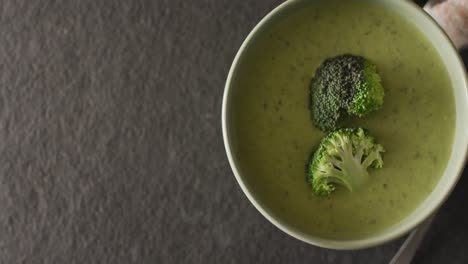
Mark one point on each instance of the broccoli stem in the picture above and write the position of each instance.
(343, 158)
(352, 169)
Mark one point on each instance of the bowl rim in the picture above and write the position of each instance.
(378, 238)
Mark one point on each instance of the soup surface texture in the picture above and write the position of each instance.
(273, 135)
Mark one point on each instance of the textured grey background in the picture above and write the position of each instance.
(111, 148)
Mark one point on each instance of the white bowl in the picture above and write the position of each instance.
(455, 165)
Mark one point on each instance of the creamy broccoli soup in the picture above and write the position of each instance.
(273, 134)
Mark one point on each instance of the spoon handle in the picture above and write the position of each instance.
(407, 251)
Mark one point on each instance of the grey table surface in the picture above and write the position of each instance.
(111, 148)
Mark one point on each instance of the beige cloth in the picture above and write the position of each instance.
(452, 15)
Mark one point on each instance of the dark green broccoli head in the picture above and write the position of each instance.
(345, 84)
(343, 158)
(368, 95)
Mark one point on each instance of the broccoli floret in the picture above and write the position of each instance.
(345, 84)
(342, 158)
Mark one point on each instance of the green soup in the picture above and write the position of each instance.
(273, 134)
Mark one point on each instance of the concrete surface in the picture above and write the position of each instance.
(111, 148)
